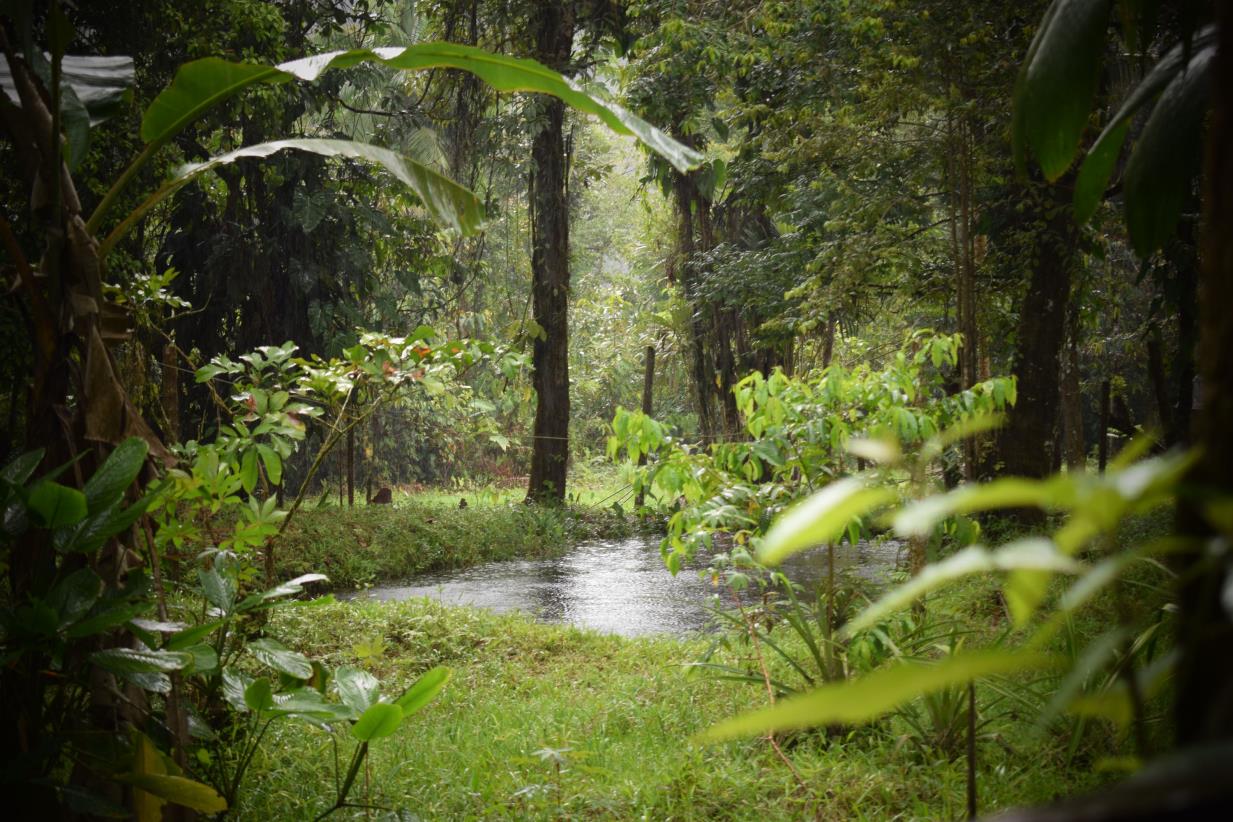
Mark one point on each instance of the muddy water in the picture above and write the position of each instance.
(617, 586)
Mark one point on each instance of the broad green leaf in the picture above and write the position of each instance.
(56, 505)
(1165, 158)
(106, 619)
(191, 636)
(75, 595)
(821, 518)
(357, 689)
(218, 589)
(108, 484)
(1096, 170)
(1102, 156)
(22, 467)
(919, 518)
(272, 462)
(201, 84)
(235, 685)
(101, 84)
(205, 658)
(281, 658)
(178, 790)
(864, 699)
(1057, 82)
(424, 690)
(1036, 554)
(447, 201)
(259, 695)
(284, 589)
(379, 720)
(248, 471)
(126, 660)
(310, 703)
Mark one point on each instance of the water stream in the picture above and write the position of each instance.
(616, 586)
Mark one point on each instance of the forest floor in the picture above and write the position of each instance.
(552, 722)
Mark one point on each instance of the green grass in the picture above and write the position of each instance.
(547, 722)
(428, 532)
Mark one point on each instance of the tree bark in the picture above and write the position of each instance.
(1204, 700)
(1026, 444)
(1072, 401)
(550, 266)
(648, 387)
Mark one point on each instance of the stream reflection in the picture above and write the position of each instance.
(617, 586)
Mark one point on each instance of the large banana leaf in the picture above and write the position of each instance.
(201, 84)
(447, 201)
(1056, 84)
(101, 84)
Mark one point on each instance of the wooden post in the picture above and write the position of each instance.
(648, 385)
(1104, 424)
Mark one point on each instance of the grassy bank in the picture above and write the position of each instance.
(369, 544)
(546, 722)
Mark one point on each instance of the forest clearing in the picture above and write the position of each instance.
(620, 409)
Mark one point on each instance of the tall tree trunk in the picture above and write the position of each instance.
(1026, 444)
(550, 265)
(700, 372)
(648, 388)
(1204, 701)
(1072, 400)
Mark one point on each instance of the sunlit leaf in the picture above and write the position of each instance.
(424, 690)
(1036, 554)
(379, 720)
(864, 699)
(821, 518)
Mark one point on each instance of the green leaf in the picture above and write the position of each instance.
(357, 689)
(75, 595)
(57, 506)
(191, 636)
(424, 690)
(205, 658)
(288, 588)
(259, 695)
(281, 658)
(379, 720)
(919, 518)
(1056, 83)
(178, 790)
(201, 84)
(108, 484)
(22, 467)
(1101, 158)
(821, 518)
(272, 462)
(131, 660)
(218, 589)
(1036, 554)
(235, 685)
(1165, 159)
(106, 619)
(248, 470)
(864, 699)
(103, 85)
(447, 201)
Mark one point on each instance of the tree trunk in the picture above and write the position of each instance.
(648, 387)
(350, 458)
(1026, 443)
(550, 266)
(1204, 700)
(1106, 402)
(1072, 401)
(700, 372)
